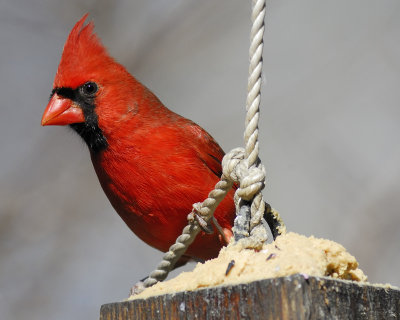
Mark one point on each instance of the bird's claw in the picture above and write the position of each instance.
(204, 225)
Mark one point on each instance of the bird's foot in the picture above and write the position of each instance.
(196, 216)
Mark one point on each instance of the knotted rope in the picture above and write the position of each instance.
(241, 166)
(252, 172)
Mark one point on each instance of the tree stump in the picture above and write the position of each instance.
(292, 297)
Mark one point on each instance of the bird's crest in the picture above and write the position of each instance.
(84, 56)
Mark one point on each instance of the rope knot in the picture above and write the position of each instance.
(233, 164)
(236, 168)
(251, 179)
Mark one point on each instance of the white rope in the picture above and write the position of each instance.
(254, 82)
(247, 227)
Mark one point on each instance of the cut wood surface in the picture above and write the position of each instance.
(292, 297)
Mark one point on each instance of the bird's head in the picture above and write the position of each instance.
(91, 91)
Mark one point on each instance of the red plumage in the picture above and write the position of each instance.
(151, 163)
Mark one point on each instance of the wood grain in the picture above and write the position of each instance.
(293, 297)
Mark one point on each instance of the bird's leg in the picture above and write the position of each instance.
(206, 226)
(220, 230)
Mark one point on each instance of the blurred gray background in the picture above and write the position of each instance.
(330, 128)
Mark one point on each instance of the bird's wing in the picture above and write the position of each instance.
(207, 149)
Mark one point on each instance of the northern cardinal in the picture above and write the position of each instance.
(151, 163)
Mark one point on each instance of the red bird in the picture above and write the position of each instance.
(151, 163)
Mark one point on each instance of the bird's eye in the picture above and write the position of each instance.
(89, 89)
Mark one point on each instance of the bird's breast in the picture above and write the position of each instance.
(153, 181)
(152, 195)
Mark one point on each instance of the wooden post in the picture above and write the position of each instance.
(293, 297)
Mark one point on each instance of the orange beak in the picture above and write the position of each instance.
(62, 111)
